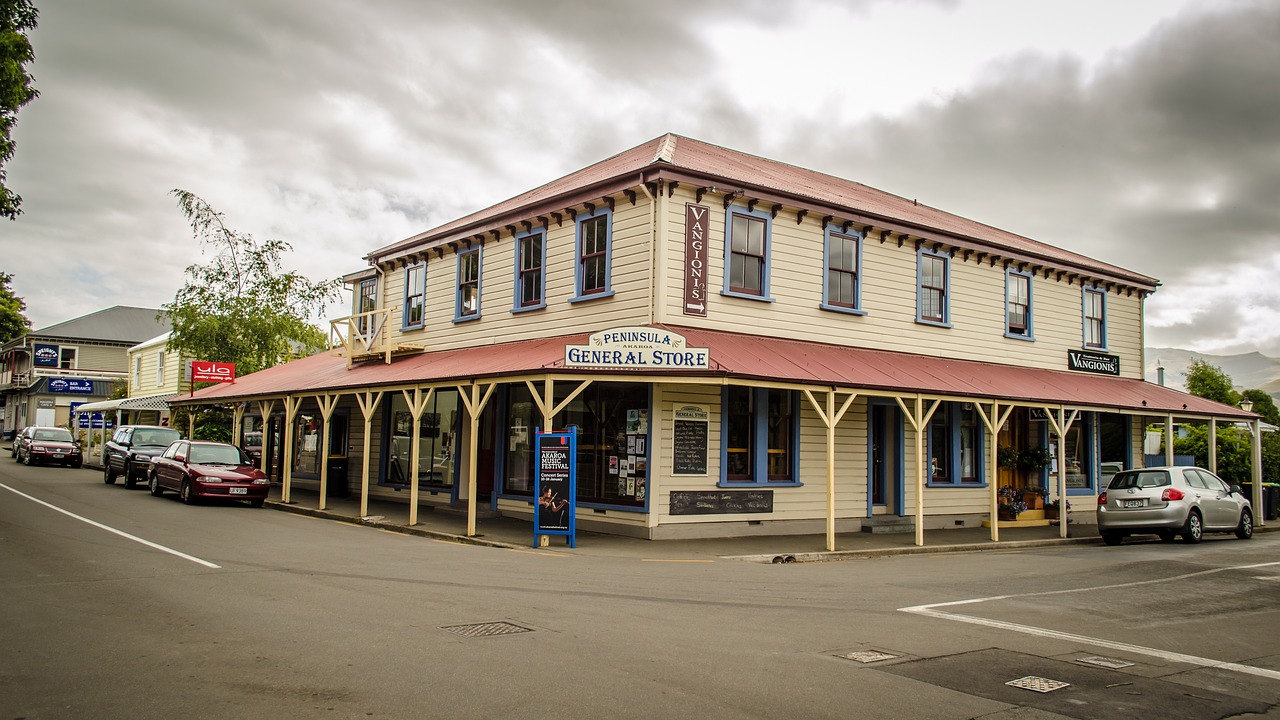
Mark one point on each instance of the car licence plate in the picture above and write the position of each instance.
(1132, 503)
(57, 455)
(239, 491)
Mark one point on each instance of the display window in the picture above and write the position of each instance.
(437, 431)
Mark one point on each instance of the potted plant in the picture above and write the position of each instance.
(1033, 497)
(1052, 508)
(1034, 460)
(1007, 456)
(1011, 504)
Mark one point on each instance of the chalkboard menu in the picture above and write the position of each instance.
(690, 455)
(721, 502)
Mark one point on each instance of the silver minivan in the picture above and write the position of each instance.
(1172, 501)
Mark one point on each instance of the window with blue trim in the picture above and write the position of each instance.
(415, 288)
(467, 302)
(955, 446)
(759, 436)
(932, 296)
(842, 286)
(531, 277)
(593, 254)
(1095, 318)
(1017, 302)
(746, 257)
(1079, 453)
(366, 302)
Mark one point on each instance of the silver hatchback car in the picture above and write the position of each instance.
(1172, 501)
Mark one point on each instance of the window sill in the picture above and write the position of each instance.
(757, 485)
(1094, 348)
(410, 328)
(528, 308)
(1015, 336)
(466, 319)
(592, 296)
(842, 309)
(933, 323)
(745, 296)
(970, 486)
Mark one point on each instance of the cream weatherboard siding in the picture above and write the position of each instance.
(174, 372)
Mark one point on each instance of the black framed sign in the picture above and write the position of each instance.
(555, 485)
(1093, 362)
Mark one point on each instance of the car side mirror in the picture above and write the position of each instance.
(1237, 490)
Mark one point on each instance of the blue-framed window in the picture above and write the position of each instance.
(1081, 470)
(1018, 318)
(1094, 310)
(366, 301)
(467, 300)
(531, 270)
(956, 441)
(748, 235)
(933, 293)
(415, 289)
(842, 283)
(760, 436)
(593, 256)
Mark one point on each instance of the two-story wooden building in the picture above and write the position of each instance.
(744, 346)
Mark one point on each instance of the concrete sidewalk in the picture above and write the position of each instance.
(517, 534)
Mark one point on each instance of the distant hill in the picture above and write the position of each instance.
(1250, 370)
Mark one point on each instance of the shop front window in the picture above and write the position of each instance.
(437, 440)
(955, 445)
(1113, 446)
(306, 444)
(1079, 451)
(523, 417)
(759, 435)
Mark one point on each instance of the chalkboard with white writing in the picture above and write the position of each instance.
(690, 455)
(721, 502)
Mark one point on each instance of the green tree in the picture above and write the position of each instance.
(13, 318)
(1234, 450)
(241, 307)
(1209, 381)
(16, 17)
(1264, 405)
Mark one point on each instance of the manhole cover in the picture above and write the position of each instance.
(867, 656)
(1037, 684)
(1105, 662)
(488, 629)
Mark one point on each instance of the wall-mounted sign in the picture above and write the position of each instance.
(202, 371)
(45, 355)
(637, 348)
(71, 385)
(45, 404)
(689, 453)
(1093, 362)
(721, 502)
(696, 226)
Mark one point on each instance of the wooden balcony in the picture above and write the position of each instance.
(365, 336)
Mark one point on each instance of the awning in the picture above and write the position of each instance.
(150, 402)
(741, 357)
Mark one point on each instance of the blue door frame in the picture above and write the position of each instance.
(894, 428)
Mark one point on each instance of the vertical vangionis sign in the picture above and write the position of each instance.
(555, 485)
(696, 227)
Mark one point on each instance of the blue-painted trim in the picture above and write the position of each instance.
(516, 307)
(953, 410)
(760, 441)
(404, 304)
(764, 295)
(858, 237)
(1031, 305)
(1087, 431)
(1084, 317)
(946, 290)
(608, 255)
(458, 317)
(895, 421)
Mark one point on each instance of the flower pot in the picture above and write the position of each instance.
(1051, 513)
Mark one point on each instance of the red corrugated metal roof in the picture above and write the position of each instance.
(741, 356)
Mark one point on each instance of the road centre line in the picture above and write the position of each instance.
(110, 529)
(929, 611)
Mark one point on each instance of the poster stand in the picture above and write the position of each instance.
(555, 485)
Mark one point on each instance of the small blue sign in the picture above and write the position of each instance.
(555, 485)
(45, 355)
(71, 385)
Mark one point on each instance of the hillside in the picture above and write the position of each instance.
(1249, 370)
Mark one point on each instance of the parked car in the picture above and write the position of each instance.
(253, 446)
(39, 445)
(130, 449)
(197, 469)
(1172, 501)
(17, 438)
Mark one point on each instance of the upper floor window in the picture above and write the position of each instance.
(468, 298)
(67, 358)
(842, 286)
(746, 271)
(366, 302)
(1017, 301)
(531, 277)
(159, 368)
(415, 287)
(955, 446)
(1095, 318)
(760, 436)
(932, 299)
(137, 371)
(594, 250)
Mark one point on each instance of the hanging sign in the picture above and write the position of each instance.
(696, 220)
(202, 371)
(555, 485)
(1093, 362)
(45, 355)
(71, 385)
(637, 348)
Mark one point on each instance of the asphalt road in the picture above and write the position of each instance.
(265, 614)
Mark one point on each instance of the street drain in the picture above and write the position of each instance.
(488, 629)
(1037, 684)
(1105, 662)
(868, 656)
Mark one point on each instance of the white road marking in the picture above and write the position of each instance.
(110, 529)
(929, 611)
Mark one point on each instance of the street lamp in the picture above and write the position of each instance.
(1246, 405)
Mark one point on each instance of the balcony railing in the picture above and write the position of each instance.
(366, 335)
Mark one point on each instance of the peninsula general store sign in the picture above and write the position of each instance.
(637, 348)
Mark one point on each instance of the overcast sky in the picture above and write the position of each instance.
(1143, 133)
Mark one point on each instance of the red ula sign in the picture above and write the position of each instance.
(202, 371)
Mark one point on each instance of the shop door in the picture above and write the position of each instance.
(273, 446)
(884, 489)
(338, 471)
(485, 461)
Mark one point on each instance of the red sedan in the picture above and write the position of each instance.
(197, 469)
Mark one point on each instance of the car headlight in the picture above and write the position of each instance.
(142, 458)
(260, 481)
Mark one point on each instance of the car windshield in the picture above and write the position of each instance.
(1141, 479)
(154, 437)
(215, 455)
(53, 435)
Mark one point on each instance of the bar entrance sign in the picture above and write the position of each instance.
(556, 485)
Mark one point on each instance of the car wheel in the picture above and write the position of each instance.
(186, 493)
(154, 486)
(129, 479)
(1167, 535)
(108, 475)
(258, 502)
(1193, 530)
(1244, 530)
(28, 460)
(1112, 538)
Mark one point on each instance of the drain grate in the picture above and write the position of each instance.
(1037, 684)
(1105, 662)
(488, 629)
(868, 656)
